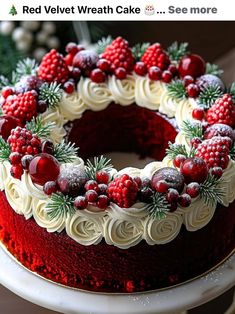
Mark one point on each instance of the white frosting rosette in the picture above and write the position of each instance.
(96, 96)
(4, 174)
(181, 139)
(228, 183)
(184, 110)
(164, 230)
(131, 171)
(123, 91)
(35, 191)
(72, 106)
(151, 168)
(18, 197)
(85, 227)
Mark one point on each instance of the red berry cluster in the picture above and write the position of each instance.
(156, 56)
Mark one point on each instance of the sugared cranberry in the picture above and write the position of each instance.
(71, 48)
(217, 172)
(41, 106)
(91, 196)
(195, 142)
(15, 158)
(69, 59)
(154, 73)
(193, 189)
(91, 185)
(192, 90)
(103, 65)
(171, 176)
(86, 61)
(44, 168)
(7, 123)
(98, 76)
(26, 160)
(102, 201)
(102, 188)
(80, 202)
(50, 187)
(102, 176)
(47, 147)
(138, 181)
(161, 186)
(198, 114)
(187, 80)
(209, 80)
(69, 87)
(16, 171)
(173, 207)
(166, 76)
(173, 69)
(146, 182)
(120, 73)
(184, 200)
(140, 68)
(219, 129)
(178, 160)
(7, 91)
(145, 194)
(194, 169)
(75, 73)
(172, 196)
(192, 65)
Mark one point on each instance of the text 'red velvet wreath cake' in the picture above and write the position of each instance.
(79, 221)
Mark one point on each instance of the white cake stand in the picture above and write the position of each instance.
(64, 300)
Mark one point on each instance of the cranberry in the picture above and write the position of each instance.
(75, 73)
(26, 160)
(184, 200)
(102, 176)
(192, 65)
(50, 187)
(172, 196)
(146, 182)
(91, 185)
(198, 114)
(102, 188)
(69, 87)
(43, 168)
(7, 123)
(120, 73)
(219, 129)
(195, 142)
(80, 202)
(193, 189)
(69, 59)
(207, 80)
(15, 158)
(188, 79)
(173, 207)
(192, 90)
(166, 76)
(7, 91)
(16, 171)
(154, 73)
(85, 60)
(194, 169)
(91, 196)
(98, 76)
(71, 180)
(47, 147)
(103, 65)
(178, 160)
(217, 172)
(71, 48)
(161, 186)
(173, 69)
(171, 176)
(145, 194)
(102, 201)
(41, 106)
(138, 181)
(140, 68)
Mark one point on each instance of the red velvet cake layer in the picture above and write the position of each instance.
(107, 268)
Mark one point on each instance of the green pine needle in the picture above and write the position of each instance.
(36, 126)
(158, 207)
(177, 90)
(213, 69)
(231, 90)
(26, 66)
(208, 96)
(4, 150)
(3, 82)
(65, 152)
(176, 51)
(179, 149)
(210, 191)
(139, 49)
(60, 206)
(99, 163)
(102, 44)
(15, 77)
(51, 94)
(192, 129)
(232, 152)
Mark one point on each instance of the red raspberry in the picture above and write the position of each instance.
(53, 68)
(223, 111)
(215, 151)
(21, 106)
(16, 171)
(24, 142)
(123, 191)
(156, 56)
(119, 54)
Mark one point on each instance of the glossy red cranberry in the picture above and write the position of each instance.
(41, 106)
(102, 202)
(193, 189)
(140, 68)
(195, 142)
(72, 48)
(80, 202)
(145, 194)
(173, 207)
(103, 65)
(26, 160)
(192, 65)
(7, 123)
(138, 181)
(47, 147)
(172, 196)
(217, 172)
(173, 69)
(91, 196)
(102, 188)
(184, 200)
(98, 76)
(167, 76)
(69, 59)
(16, 171)
(69, 87)
(102, 176)
(15, 158)
(7, 91)
(120, 73)
(154, 73)
(50, 187)
(194, 169)
(178, 160)
(187, 80)
(192, 90)
(161, 186)
(91, 185)
(44, 168)
(198, 114)
(75, 73)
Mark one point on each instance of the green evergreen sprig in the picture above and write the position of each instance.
(213, 69)
(192, 129)
(177, 50)
(231, 90)
(212, 191)
(102, 44)
(51, 94)
(208, 96)
(4, 150)
(65, 152)
(139, 49)
(232, 152)
(174, 150)
(158, 207)
(26, 66)
(177, 90)
(99, 163)
(3, 82)
(60, 206)
(36, 126)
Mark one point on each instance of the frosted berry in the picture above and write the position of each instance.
(187, 80)
(194, 169)
(219, 129)
(198, 114)
(172, 196)
(155, 55)
(50, 187)
(98, 76)
(21, 106)
(103, 65)
(47, 147)
(71, 180)
(7, 123)
(120, 73)
(195, 142)
(44, 168)
(138, 181)
(41, 106)
(73, 48)
(86, 61)
(173, 207)
(192, 65)
(53, 68)
(15, 158)
(193, 189)
(140, 68)
(16, 171)
(146, 182)
(167, 76)
(173, 69)
(102, 176)
(178, 160)
(28, 83)
(184, 200)
(173, 178)
(7, 91)
(91, 185)
(102, 201)
(223, 111)
(91, 196)
(75, 73)
(192, 90)
(26, 160)
(123, 191)
(69, 87)
(80, 202)
(207, 80)
(217, 172)
(102, 188)
(145, 194)
(154, 73)
(161, 186)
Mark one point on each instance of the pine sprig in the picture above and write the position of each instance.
(232, 152)
(3, 82)
(4, 150)
(139, 49)
(51, 94)
(99, 163)
(36, 126)
(208, 96)
(231, 90)
(65, 152)
(179, 149)
(213, 69)
(26, 66)
(60, 206)
(158, 207)
(177, 50)
(192, 129)
(211, 190)
(177, 90)
(102, 44)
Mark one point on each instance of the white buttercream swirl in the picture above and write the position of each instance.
(123, 91)
(184, 110)
(4, 174)
(72, 106)
(228, 183)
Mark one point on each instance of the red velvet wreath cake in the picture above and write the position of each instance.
(68, 215)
